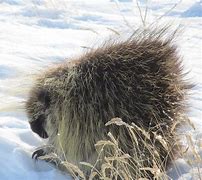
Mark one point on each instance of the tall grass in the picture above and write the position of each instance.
(144, 161)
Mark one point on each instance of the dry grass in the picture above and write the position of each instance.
(196, 160)
(122, 166)
(113, 163)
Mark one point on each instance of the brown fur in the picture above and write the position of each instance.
(139, 80)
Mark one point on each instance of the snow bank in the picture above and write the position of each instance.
(194, 11)
(17, 142)
(12, 2)
(37, 33)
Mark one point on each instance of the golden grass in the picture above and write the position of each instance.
(113, 163)
(195, 161)
(117, 165)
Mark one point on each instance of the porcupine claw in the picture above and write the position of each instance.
(36, 154)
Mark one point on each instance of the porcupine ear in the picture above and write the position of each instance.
(44, 97)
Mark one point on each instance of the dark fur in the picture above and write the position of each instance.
(139, 80)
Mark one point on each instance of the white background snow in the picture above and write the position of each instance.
(37, 33)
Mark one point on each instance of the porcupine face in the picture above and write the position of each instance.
(36, 107)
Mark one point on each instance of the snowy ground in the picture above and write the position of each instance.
(37, 33)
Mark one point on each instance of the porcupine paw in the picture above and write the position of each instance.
(38, 153)
(41, 152)
(46, 153)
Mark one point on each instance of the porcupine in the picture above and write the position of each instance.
(139, 80)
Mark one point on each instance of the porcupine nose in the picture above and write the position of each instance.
(37, 127)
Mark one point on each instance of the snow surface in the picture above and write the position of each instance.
(37, 33)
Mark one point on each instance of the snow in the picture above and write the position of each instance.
(194, 11)
(38, 33)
